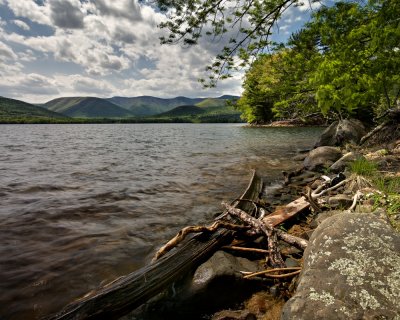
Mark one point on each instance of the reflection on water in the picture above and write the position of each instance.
(84, 204)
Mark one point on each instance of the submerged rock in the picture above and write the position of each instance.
(351, 271)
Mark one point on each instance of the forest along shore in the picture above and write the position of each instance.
(334, 252)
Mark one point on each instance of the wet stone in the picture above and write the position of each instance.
(351, 271)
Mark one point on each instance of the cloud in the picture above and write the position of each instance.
(27, 85)
(66, 14)
(88, 86)
(309, 6)
(128, 9)
(21, 24)
(114, 42)
(31, 10)
(6, 53)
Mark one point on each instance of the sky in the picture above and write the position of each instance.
(104, 48)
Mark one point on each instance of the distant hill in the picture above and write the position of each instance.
(87, 107)
(182, 111)
(214, 102)
(16, 109)
(148, 105)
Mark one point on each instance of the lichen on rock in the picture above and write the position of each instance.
(351, 271)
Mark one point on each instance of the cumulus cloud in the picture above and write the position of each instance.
(128, 9)
(25, 85)
(6, 53)
(114, 42)
(309, 6)
(23, 25)
(31, 10)
(66, 14)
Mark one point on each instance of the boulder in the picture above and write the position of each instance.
(221, 264)
(344, 162)
(351, 271)
(342, 132)
(321, 157)
(340, 200)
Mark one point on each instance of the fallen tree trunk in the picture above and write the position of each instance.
(129, 292)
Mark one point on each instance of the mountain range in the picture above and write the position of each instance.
(142, 107)
(121, 107)
(16, 109)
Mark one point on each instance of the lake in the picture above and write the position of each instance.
(84, 204)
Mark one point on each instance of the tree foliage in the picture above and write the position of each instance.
(345, 61)
(243, 25)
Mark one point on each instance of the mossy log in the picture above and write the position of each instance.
(129, 292)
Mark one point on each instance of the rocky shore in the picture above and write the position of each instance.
(351, 266)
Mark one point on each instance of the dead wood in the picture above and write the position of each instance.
(286, 212)
(244, 249)
(132, 290)
(374, 131)
(265, 272)
(311, 201)
(291, 239)
(268, 230)
(181, 235)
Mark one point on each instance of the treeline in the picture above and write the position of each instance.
(207, 118)
(344, 62)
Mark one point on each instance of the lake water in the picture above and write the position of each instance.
(81, 205)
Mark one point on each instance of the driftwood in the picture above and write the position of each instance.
(274, 254)
(245, 249)
(181, 235)
(284, 213)
(129, 292)
(266, 272)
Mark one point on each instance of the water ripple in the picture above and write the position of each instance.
(82, 205)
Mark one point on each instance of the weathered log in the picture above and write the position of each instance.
(129, 292)
(181, 235)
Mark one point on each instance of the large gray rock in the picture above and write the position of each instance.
(351, 271)
(321, 157)
(341, 132)
(221, 264)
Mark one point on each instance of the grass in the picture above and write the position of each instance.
(389, 187)
(364, 167)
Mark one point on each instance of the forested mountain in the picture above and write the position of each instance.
(87, 107)
(148, 105)
(16, 109)
(182, 111)
(145, 109)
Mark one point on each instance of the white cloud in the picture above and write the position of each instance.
(115, 42)
(309, 6)
(67, 14)
(128, 9)
(6, 53)
(21, 24)
(27, 85)
(31, 10)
